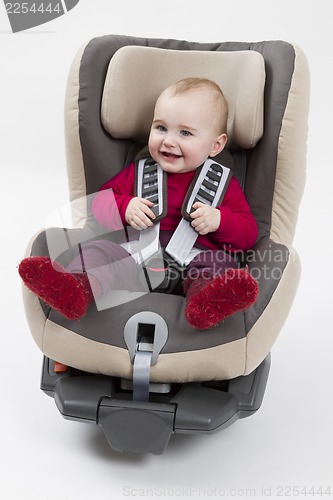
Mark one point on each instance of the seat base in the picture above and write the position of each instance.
(146, 426)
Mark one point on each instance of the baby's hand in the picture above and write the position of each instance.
(138, 213)
(206, 219)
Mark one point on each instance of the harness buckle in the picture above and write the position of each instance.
(162, 274)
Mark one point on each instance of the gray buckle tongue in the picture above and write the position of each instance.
(182, 242)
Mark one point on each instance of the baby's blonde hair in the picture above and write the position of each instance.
(192, 84)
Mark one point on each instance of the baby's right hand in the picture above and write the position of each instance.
(138, 213)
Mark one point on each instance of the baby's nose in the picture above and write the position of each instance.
(169, 140)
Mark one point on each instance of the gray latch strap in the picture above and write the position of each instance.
(141, 375)
(145, 334)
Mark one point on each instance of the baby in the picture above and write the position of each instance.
(189, 126)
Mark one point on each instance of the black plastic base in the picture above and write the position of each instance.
(147, 426)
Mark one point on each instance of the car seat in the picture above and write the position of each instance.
(137, 369)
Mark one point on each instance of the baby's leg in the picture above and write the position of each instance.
(69, 294)
(109, 263)
(99, 266)
(215, 289)
(211, 301)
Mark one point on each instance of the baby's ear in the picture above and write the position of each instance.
(218, 145)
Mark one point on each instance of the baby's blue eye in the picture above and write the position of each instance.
(161, 128)
(186, 133)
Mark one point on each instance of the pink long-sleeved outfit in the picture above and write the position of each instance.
(237, 230)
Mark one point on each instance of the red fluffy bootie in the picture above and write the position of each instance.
(70, 294)
(211, 300)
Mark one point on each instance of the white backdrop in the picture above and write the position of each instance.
(285, 449)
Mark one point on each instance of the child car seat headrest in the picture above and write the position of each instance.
(137, 75)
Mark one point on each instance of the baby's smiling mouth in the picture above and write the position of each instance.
(170, 155)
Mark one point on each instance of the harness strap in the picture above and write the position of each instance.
(151, 184)
(208, 186)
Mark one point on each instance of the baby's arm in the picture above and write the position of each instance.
(206, 219)
(138, 213)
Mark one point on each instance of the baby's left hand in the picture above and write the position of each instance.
(206, 219)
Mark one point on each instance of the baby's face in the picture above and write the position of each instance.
(184, 131)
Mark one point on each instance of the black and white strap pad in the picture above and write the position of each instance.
(208, 186)
(151, 184)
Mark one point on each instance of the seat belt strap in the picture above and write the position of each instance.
(151, 184)
(208, 186)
